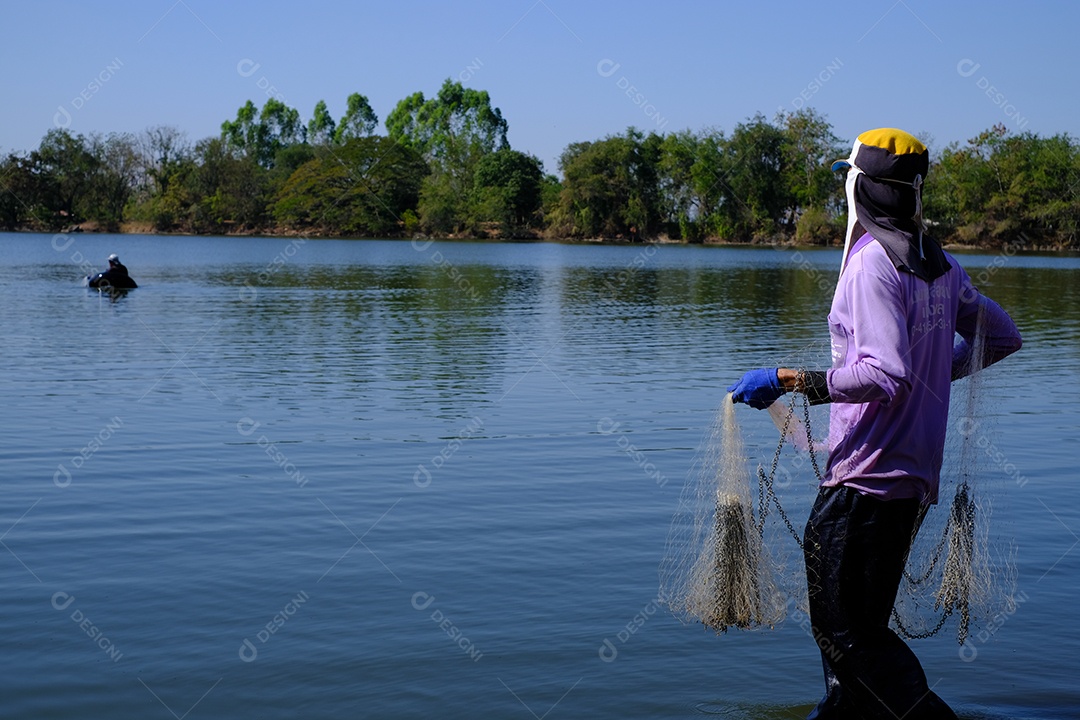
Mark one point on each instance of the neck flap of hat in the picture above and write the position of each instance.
(884, 193)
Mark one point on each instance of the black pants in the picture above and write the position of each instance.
(856, 547)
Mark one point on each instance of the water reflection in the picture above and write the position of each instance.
(417, 328)
(113, 294)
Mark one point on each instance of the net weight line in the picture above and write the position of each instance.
(957, 535)
(766, 483)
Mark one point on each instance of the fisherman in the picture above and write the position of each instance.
(898, 305)
(116, 277)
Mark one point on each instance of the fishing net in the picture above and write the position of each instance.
(718, 571)
(961, 565)
(729, 559)
(734, 555)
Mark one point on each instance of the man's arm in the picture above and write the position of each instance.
(981, 321)
(880, 371)
(877, 362)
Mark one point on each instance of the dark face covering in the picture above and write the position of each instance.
(887, 210)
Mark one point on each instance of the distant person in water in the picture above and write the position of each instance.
(115, 277)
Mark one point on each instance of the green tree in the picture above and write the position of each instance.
(959, 187)
(1039, 201)
(453, 131)
(282, 128)
(611, 188)
(507, 190)
(175, 207)
(363, 188)
(550, 191)
(287, 161)
(1002, 188)
(359, 120)
(321, 128)
(262, 134)
(245, 132)
(64, 169)
(17, 191)
(117, 171)
(755, 171)
(810, 148)
(226, 190)
(691, 182)
(165, 160)
(678, 153)
(162, 149)
(455, 122)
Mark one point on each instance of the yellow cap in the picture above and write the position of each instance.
(894, 141)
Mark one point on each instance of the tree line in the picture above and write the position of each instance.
(444, 167)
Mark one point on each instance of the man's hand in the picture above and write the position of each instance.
(758, 388)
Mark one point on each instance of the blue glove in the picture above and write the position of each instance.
(758, 388)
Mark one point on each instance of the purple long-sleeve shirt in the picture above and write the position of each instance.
(893, 360)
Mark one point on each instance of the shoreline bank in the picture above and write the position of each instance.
(136, 228)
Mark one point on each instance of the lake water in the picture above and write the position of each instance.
(385, 479)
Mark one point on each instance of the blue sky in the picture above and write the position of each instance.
(561, 70)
